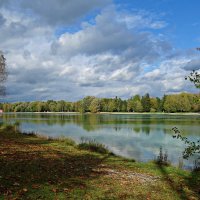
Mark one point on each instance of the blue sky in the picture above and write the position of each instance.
(64, 49)
(182, 18)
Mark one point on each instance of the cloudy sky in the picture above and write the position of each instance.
(68, 49)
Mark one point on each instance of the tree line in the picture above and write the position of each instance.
(183, 102)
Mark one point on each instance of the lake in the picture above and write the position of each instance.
(137, 136)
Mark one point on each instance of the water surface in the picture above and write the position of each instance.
(137, 136)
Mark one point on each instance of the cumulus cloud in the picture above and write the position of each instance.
(110, 54)
(62, 11)
(108, 34)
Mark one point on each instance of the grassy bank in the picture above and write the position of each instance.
(33, 167)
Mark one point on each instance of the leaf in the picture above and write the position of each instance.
(65, 189)
(54, 190)
(35, 186)
(16, 184)
(25, 190)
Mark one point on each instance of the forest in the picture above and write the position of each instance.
(183, 102)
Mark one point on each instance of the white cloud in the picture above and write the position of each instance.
(103, 58)
(62, 11)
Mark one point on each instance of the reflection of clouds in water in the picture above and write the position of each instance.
(124, 141)
(139, 138)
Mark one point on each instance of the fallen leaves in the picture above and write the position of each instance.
(36, 186)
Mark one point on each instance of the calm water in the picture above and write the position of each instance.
(133, 136)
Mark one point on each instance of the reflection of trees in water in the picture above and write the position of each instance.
(90, 122)
(146, 130)
(136, 129)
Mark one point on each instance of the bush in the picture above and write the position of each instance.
(10, 131)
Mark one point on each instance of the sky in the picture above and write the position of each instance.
(69, 49)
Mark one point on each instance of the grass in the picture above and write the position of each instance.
(33, 167)
(94, 146)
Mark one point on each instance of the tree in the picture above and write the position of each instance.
(112, 106)
(105, 104)
(3, 73)
(134, 104)
(162, 102)
(195, 78)
(130, 105)
(138, 106)
(95, 105)
(118, 104)
(86, 103)
(154, 104)
(177, 103)
(60, 107)
(81, 106)
(146, 103)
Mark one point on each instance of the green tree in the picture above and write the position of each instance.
(52, 106)
(85, 104)
(105, 104)
(184, 103)
(7, 107)
(112, 106)
(40, 107)
(95, 105)
(68, 106)
(162, 102)
(118, 104)
(132, 103)
(124, 106)
(154, 104)
(146, 104)
(82, 107)
(177, 103)
(60, 107)
(138, 106)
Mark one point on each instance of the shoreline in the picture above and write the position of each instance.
(147, 113)
(109, 113)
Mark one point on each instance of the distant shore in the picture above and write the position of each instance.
(148, 113)
(114, 113)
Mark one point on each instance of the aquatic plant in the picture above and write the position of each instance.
(162, 158)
